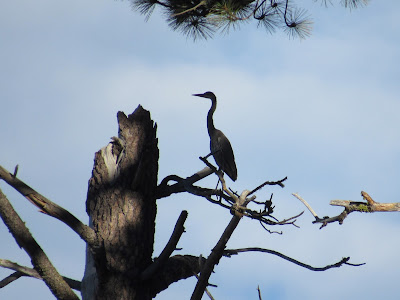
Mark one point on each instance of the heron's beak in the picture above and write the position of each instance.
(199, 95)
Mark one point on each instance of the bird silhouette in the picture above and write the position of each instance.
(220, 146)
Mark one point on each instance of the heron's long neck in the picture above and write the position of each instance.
(210, 122)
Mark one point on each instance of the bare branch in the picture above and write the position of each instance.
(25, 271)
(206, 290)
(165, 190)
(169, 248)
(11, 278)
(215, 256)
(344, 260)
(49, 208)
(233, 202)
(264, 216)
(268, 230)
(16, 267)
(40, 261)
(325, 220)
(176, 268)
(259, 293)
(208, 193)
(279, 182)
(306, 204)
(351, 206)
(370, 206)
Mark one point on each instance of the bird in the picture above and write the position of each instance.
(220, 146)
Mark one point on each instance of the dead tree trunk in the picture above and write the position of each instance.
(121, 204)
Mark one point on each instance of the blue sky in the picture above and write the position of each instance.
(322, 111)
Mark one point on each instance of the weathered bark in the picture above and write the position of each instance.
(121, 204)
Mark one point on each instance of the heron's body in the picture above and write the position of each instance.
(220, 146)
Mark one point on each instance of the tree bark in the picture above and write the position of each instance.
(121, 204)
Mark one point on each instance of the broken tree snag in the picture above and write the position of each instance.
(121, 205)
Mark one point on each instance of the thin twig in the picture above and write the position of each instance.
(259, 293)
(15, 171)
(344, 260)
(279, 182)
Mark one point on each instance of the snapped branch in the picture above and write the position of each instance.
(370, 206)
(351, 206)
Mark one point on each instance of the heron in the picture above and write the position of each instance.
(220, 146)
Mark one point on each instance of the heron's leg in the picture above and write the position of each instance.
(212, 153)
(220, 198)
(208, 155)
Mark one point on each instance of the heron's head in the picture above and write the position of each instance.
(209, 95)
